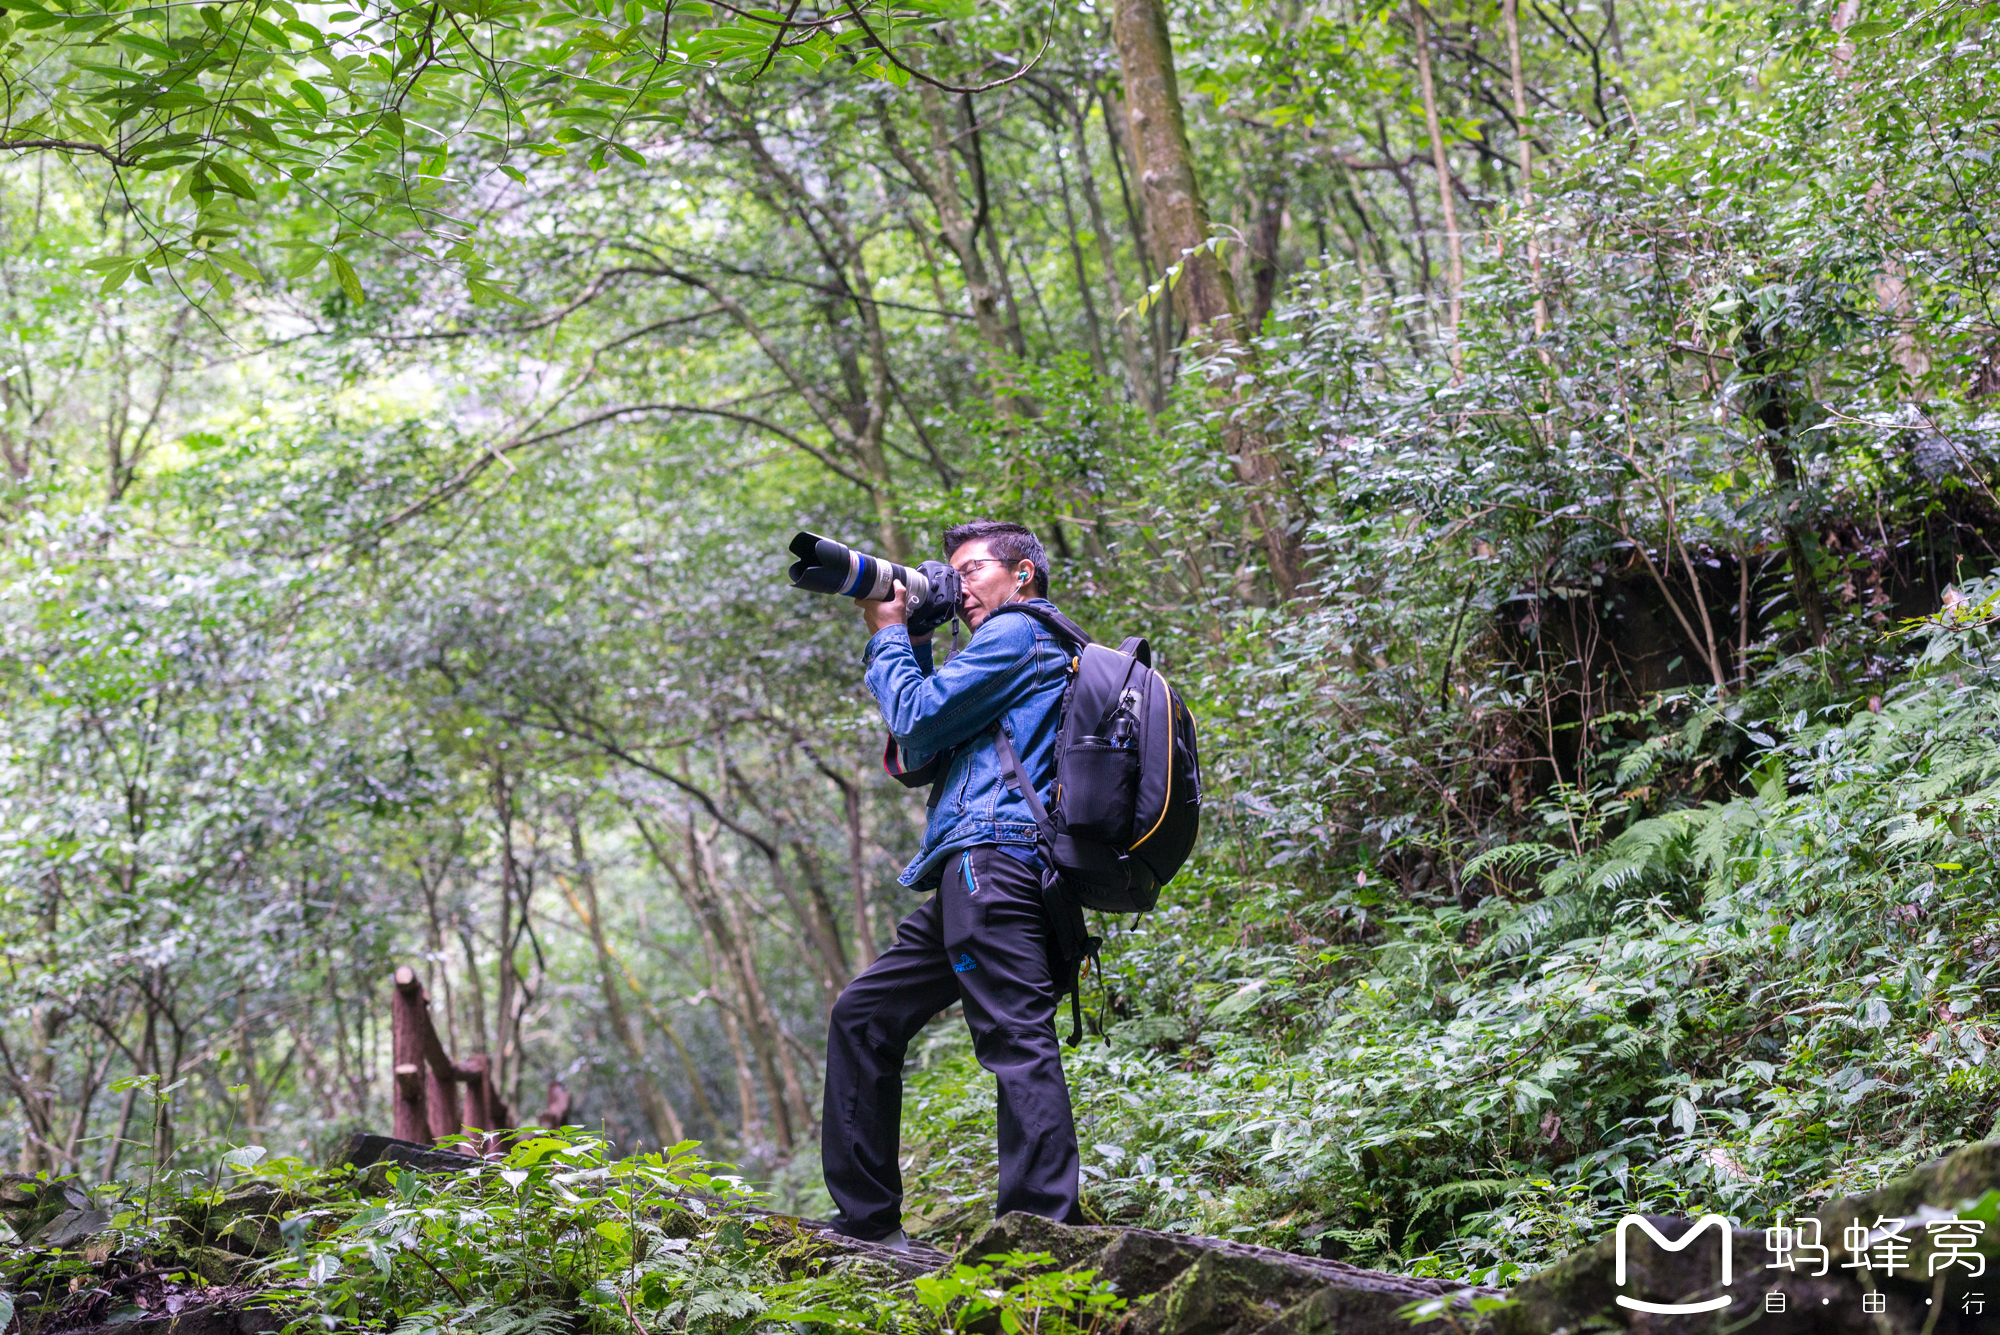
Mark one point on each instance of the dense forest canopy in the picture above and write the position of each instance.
(1549, 444)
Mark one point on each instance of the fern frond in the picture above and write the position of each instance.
(1512, 857)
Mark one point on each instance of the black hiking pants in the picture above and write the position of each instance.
(984, 939)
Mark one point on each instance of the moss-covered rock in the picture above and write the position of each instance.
(1177, 1284)
(1339, 1310)
(1221, 1294)
(1145, 1262)
(217, 1266)
(1073, 1247)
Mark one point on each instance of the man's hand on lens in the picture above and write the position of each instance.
(893, 611)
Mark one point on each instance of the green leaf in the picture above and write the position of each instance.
(242, 268)
(350, 282)
(483, 291)
(312, 96)
(116, 272)
(118, 72)
(256, 125)
(248, 1156)
(888, 73)
(308, 259)
(1242, 999)
(178, 99)
(143, 45)
(230, 179)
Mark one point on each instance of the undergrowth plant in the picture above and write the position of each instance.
(1024, 1292)
(559, 1234)
(559, 1230)
(1746, 1005)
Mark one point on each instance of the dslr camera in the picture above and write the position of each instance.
(829, 567)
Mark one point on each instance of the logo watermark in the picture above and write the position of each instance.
(1929, 1246)
(1645, 1226)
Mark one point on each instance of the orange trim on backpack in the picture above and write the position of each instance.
(1166, 803)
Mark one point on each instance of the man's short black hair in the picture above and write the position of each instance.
(1010, 542)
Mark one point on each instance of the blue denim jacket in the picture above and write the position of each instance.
(1014, 670)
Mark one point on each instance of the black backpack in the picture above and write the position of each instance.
(1128, 779)
(1128, 791)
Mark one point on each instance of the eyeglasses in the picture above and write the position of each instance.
(965, 571)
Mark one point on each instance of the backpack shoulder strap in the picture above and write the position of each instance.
(1011, 762)
(1064, 629)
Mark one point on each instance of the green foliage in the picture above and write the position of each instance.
(557, 1234)
(1748, 1006)
(1602, 826)
(1042, 1299)
(374, 112)
(556, 1230)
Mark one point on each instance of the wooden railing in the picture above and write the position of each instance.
(428, 1101)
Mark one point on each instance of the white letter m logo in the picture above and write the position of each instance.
(1700, 1226)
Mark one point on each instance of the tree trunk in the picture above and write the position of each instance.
(475, 992)
(38, 1094)
(703, 898)
(1136, 374)
(750, 1112)
(1511, 12)
(812, 913)
(1771, 405)
(1135, 218)
(1177, 223)
(864, 920)
(1420, 36)
(766, 1029)
(938, 179)
(763, 1043)
(147, 1043)
(1091, 326)
(660, 1115)
(503, 812)
(1265, 236)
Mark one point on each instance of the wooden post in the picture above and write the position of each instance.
(443, 1098)
(407, 1016)
(428, 1104)
(558, 1106)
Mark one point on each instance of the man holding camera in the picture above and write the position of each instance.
(984, 938)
